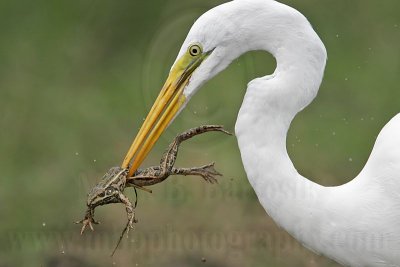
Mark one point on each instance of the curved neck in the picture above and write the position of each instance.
(290, 199)
(269, 106)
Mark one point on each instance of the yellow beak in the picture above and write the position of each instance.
(165, 107)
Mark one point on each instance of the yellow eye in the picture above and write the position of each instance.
(195, 50)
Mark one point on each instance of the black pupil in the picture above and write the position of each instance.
(194, 50)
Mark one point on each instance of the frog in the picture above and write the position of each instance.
(110, 189)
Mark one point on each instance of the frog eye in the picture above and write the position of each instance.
(101, 194)
(109, 191)
(195, 50)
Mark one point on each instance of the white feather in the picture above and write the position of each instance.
(356, 224)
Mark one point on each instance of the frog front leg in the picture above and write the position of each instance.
(88, 220)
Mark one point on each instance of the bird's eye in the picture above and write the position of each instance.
(195, 50)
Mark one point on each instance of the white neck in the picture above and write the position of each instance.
(269, 106)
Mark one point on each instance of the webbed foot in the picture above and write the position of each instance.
(207, 172)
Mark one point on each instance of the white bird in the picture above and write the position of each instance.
(355, 224)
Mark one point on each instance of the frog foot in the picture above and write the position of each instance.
(87, 221)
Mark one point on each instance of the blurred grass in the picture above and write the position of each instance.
(76, 79)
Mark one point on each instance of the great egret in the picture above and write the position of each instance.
(355, 224)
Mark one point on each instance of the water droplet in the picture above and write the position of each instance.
(346, 79)
(94, 160)
(362, 119)
(337, 35)
(333, 133)
(316, 145)
(194, 112)
(76, 153)
(350, 159)
(43, 224)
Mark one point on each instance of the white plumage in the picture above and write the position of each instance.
(357, 223)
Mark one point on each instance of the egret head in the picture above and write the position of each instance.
(218, 37)
(202, 55)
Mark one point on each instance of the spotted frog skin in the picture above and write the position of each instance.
(111, 187)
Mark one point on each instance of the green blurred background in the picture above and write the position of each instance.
(76, 80)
